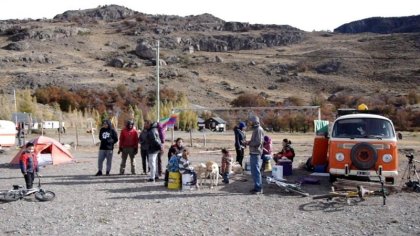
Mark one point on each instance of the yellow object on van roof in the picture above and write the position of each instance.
(362, 107)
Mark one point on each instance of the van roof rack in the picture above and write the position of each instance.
(347, 111)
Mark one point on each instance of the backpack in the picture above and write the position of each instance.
(173, 164)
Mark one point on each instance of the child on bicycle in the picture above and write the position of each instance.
(28, 164)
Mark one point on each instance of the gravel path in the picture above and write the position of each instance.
(128, 205)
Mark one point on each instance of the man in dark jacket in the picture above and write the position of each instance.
(154, 145)
(108, 137)
(240, 141)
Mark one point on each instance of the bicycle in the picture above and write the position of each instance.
(288, 187)
(411, 171)
(18, 192)
(361, 193)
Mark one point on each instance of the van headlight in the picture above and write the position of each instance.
(339, 156)
(387, 158)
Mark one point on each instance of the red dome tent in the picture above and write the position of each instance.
(48, 151)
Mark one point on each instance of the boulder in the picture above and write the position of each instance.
(145, 51)
(117, 62)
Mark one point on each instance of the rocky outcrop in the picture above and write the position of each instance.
(107, 13)
(47, 33)
(382, 25)
(17, 46)
(220, 43)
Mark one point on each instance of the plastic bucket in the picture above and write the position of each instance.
(187, 181)
(277, 172)
(174, 180)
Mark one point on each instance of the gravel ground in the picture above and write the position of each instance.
(128, 205)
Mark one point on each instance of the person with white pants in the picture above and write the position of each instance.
(154, 146)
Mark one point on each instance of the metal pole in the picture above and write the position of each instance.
(319, 113)
(14, 98)
(157, 81)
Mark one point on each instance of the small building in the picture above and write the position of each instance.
(215, 124)
(201, 123)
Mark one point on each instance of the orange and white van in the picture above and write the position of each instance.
(363, 145)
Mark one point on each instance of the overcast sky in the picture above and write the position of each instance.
(307, 15)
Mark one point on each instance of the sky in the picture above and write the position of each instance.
(308, 15)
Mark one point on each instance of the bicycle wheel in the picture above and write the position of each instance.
(44, 196)
(9, 196)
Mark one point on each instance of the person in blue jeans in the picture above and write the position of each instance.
(255, 151)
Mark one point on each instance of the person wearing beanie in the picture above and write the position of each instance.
(240, 141)
(108, 137)
(255, 151)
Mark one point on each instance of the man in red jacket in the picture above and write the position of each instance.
(28, 165)
(129, 141)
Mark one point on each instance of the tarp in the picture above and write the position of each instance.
(48, 151)
(321, 126)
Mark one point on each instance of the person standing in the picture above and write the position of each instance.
(154, 146)
(226, 166)
(129, 142)
(240, 141)
(143, 150)
(29, 165)
(108, 137)
(162, 136)
(255, 151)
(21, 134)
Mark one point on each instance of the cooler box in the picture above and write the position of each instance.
(187, 182)
(277, 172)
(287, 166)
(174, 180)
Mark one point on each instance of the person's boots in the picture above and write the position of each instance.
(107, 173)
(99, 173)
(122, 171)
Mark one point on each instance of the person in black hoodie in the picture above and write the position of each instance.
(240, 141)
(108, 137)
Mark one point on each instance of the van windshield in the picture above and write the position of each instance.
(363, 128)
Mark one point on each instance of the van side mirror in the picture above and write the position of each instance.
(399, 135)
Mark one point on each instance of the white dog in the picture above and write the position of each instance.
(201, 170)
(237, 168)
(212, 170)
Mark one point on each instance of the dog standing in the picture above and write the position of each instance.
(201, 170)
(212, 170)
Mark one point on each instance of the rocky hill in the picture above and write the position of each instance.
(382, 25)
(210, 60)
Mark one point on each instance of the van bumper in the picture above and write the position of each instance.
(365, 173)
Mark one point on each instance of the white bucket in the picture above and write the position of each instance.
(187, 181)
(277, 172)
